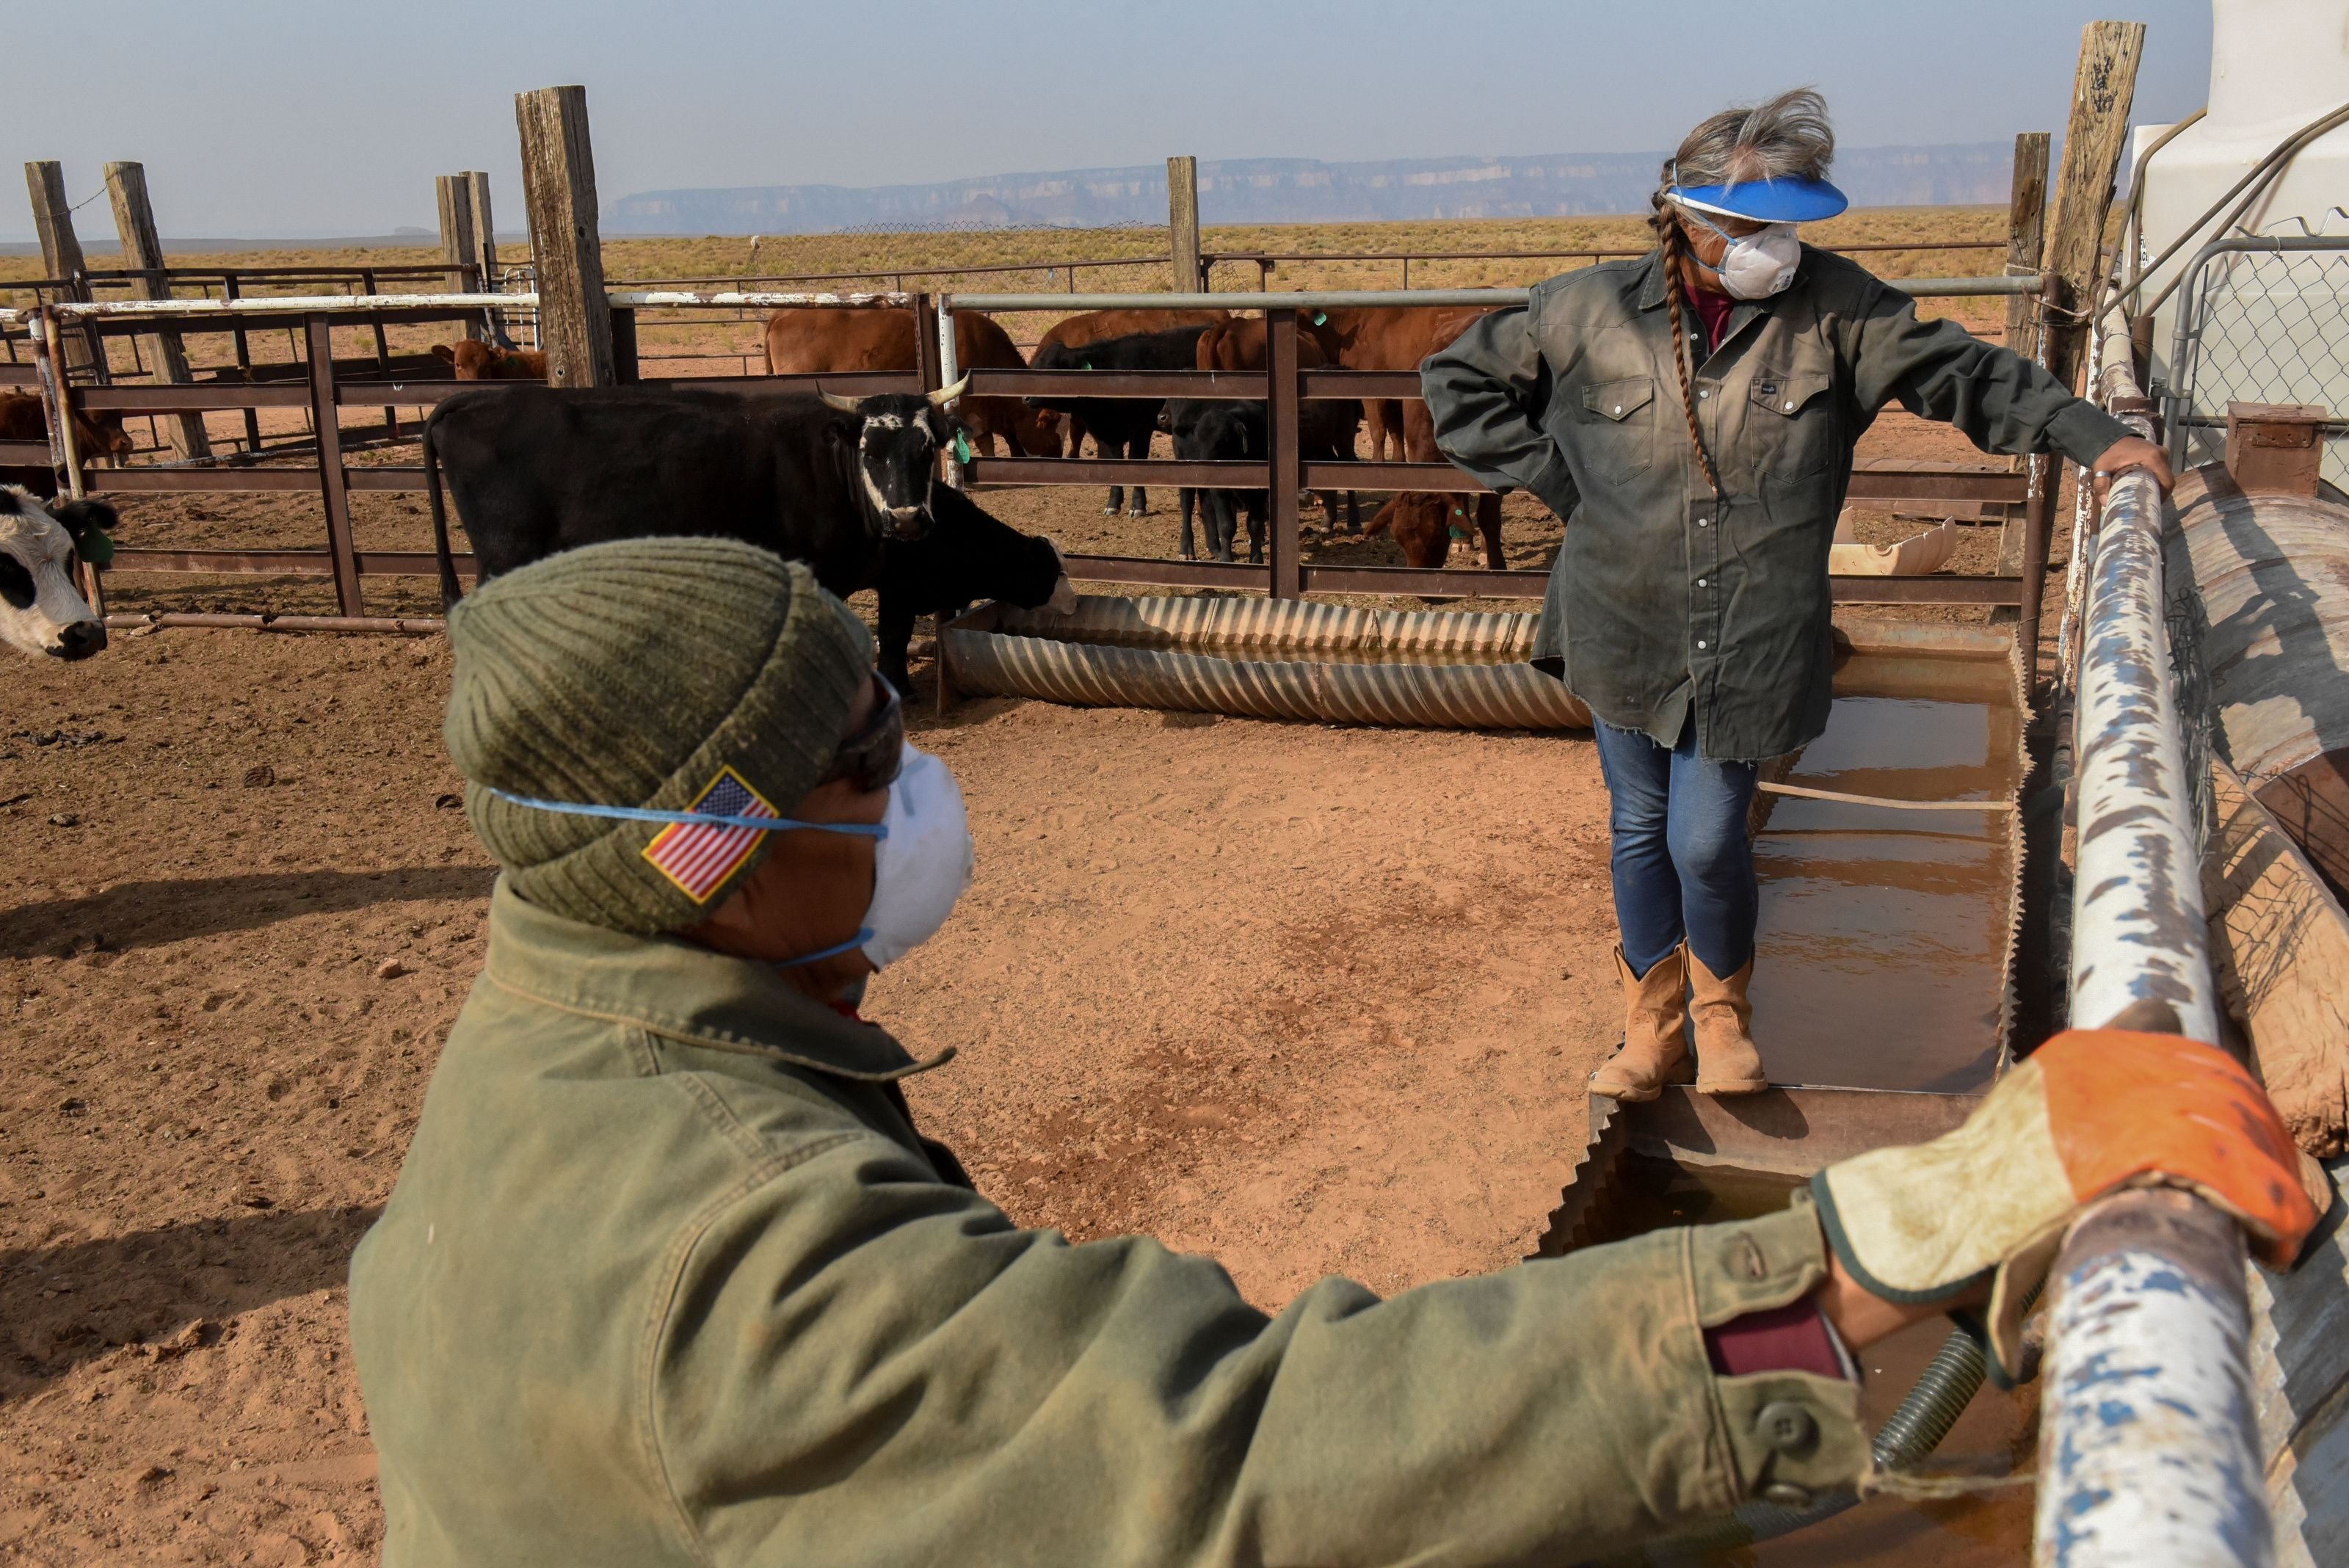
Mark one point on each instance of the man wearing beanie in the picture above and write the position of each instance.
(670, 1277)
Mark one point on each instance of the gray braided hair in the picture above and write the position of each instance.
(1787, 136)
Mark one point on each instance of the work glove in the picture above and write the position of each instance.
(2089, 1113)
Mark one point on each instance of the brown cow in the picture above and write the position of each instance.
(96, 435)
(1099, 326)
(1397, 339)
(1425, 522)
(475, 360)
(807, 339)
(1391, 339)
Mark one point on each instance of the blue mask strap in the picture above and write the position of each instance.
(863, 935)
(704, 819)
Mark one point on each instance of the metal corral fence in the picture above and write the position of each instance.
(2260, 321)
(328, 386)
(1286, 575)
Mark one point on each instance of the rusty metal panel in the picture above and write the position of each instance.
(231, 563)
(159, 481)
(204, 396)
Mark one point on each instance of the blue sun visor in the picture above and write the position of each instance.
(1787, 200)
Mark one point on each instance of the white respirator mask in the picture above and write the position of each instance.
(921, 864)
(1758, 264)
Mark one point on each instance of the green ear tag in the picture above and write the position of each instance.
(962, 448)
(95, 548)
(1320, 318)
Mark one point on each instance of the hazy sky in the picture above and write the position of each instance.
(263, 118)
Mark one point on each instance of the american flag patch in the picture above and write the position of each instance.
(698, 858)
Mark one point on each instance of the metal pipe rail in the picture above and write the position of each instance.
(1350, 298)
(2149, 1449)
(368, 304)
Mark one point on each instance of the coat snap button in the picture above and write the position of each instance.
(1619, 407)
(1790, 407)
(1787, 1494)
(1700, 643)
(1785, 1426)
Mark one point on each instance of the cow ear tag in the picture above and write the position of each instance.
(1320, 318)
(95, 546)
(962, 448)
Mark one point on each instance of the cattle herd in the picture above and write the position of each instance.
(850, 485)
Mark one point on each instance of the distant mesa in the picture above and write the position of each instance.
(1283, 191)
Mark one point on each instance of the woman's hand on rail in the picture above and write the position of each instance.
(2132, 451)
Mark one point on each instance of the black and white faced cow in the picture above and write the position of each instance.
(536, 470)
(40, 609)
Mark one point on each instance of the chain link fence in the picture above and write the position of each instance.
(2261, 321)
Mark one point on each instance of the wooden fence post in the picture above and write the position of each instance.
(1182, 222)
(485, 242)
(558, 179)
(142, 250)
(60, 247)
(2026, 231)
(2093, 143)
(458, 246)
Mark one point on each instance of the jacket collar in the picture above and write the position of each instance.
(1651, 295)
(681, 991)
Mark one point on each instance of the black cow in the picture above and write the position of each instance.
(825, 480)
(1209, 430)
(1121, 427)
(967, 555)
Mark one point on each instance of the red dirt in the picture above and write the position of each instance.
(1314, 998)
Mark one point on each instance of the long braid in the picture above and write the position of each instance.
(1675, 244)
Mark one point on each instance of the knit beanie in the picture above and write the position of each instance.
(674, 673)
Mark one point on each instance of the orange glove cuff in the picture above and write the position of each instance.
(2127, 1109)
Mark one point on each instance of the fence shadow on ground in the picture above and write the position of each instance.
(170, 1288)
(144, 914)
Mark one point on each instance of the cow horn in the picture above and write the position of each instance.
(845, 405)
(944, 395)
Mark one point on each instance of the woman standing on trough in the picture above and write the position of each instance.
(1693, 413)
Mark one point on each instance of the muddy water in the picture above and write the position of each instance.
(1883, 932)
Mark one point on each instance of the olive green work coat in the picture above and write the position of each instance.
(1663, 599)
(667, 1278)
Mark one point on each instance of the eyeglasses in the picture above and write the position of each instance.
(870, 758)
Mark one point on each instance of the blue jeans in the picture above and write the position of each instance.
(1683, 865)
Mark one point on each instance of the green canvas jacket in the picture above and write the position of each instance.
(1662, 599)
(669, 1277)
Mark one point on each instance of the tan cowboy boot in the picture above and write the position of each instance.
(1726, 1060)
(1655, 1046)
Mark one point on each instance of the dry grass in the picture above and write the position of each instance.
(704, 343)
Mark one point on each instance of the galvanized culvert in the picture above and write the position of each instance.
(1287, 658)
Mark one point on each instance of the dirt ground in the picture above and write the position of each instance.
(1208, 984)
(1308, 998)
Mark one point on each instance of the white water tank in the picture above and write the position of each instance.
(2275, 327)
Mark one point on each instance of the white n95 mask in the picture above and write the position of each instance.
(1758, 264)
(921, 863)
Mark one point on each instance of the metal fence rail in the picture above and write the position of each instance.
(325, 386)
(2259, 321)
(2149, 1447)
